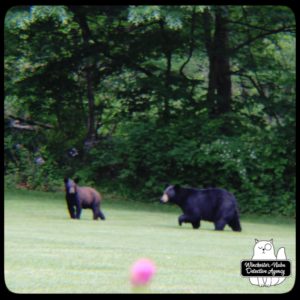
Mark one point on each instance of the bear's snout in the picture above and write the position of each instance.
(164, 198)
(72, 190)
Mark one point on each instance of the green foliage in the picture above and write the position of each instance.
(26, 171)
(149, 69)
(145, 156)
(141, 14)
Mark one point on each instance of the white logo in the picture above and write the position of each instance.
(272, 269)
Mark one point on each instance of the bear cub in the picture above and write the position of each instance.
(79, 197)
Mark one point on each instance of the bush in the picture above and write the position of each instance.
(36, 171)
(143, 156)
(257, 165)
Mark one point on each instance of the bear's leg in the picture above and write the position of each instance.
(95, 209)
(235, 223)
(183, 219)
(186, 219)
(95, 215)
(70, 203)
(220, 224)
(78, 212)
(71, 210)
(97, 212)
(78, 209)
(196, 224)
(101, 215)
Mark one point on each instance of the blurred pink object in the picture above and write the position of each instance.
(142, 272)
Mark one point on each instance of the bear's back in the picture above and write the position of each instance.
(210, 203)
(89, 194)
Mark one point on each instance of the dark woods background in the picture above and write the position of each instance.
(133, 97)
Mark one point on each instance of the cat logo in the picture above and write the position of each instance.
(266, 268)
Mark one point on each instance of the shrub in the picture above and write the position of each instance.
(33, 171)
(143, 156)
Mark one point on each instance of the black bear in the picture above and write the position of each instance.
(82, 197)
(212, 204)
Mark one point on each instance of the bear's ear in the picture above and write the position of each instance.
(65, 179)
(76, 179)
(176, 187)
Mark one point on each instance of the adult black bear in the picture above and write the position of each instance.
(213, 204)
(82, 197)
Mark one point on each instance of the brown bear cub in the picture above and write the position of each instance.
(82, 197)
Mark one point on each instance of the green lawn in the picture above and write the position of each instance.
(46, 252)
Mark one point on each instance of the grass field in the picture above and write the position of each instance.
(46, 252)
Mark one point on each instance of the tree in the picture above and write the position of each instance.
(157, 92)
(217, 47)
(80, 17)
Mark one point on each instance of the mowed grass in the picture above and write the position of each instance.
(47, 252)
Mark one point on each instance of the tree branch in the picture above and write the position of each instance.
(250, 26)
(15, 122)
(261, 93)
(207, 25)
(262, 35)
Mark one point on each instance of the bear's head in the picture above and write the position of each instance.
(71, 185)
(169, 194)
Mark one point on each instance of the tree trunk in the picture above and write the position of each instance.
(166, 113)
(219, 80)
(222, 65)
(89, 71)
(91, 135)
(166, 90)
(212, 86)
